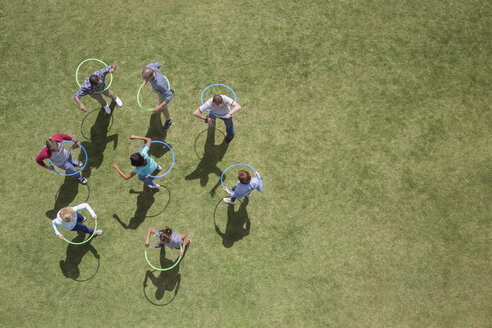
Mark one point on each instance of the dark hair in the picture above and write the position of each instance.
(218, 99)
(93, 79)
(51, 144)
(138, 160)
(165, 236)
(244, 176)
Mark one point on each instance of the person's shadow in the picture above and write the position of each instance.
(99, 139)
(166, 280)
(238, 224)
(65, 196)
(145, 199)
(155, 132)
(75, 253)
(213, 154)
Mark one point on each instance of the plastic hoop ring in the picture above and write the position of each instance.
(85, 241)
(138, 93)
(163, 269)
(222, 183)
(172, 164)
(98, 60)
(68, 175)
(222, 85)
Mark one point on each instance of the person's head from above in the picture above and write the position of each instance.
(52, 145)
(148, 74)
(165, 236)
(66, 214)
(217, 101)
(138, 160)
(243, 176)
(94, 80)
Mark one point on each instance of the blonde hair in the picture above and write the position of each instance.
(66, 214)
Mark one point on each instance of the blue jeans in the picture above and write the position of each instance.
(81, 227)
(146, 180)
(228, 123)
(69, 169)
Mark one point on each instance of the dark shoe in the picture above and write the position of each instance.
(172, 90)
(229, 138)
(84, 219)
(167, 125)
(83, 181)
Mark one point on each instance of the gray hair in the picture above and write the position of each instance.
(146, 73)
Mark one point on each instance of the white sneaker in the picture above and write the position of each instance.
(155, 186)
(159, 168)
(98, 232)
(229, 201)
(84, 219)
(107, 109)
(83, 181)
(118, 102)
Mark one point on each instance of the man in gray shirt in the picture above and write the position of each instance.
(219, 107)
(159, 83)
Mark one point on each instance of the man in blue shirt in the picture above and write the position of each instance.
(151, 74)
(95, 83)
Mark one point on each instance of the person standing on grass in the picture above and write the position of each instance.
(245, 186)
(144, 164)
(71, 219)
(60, 156)
(170, 238)
(151, 74)
(95, 83)
(219, 104)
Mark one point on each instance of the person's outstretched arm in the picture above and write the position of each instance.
(150, 231)
(148, 141)
(125, 176)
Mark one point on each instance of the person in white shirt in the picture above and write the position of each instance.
(219, 107)
(71, 219)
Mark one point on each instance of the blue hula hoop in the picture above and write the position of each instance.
(222, 85)
(222, 183)
(68, 175)
(172, 164)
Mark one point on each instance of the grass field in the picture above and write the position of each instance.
(370, 122)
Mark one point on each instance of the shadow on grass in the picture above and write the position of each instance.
(208, 163)
(238, 223)
(166, 282)
(75, 253)
(98, 141)
(66, 194)
(145, 199)
(155, 132)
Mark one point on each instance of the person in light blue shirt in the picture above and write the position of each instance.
(144, 164)
(245, 186)
(151, 74)
(70, 219)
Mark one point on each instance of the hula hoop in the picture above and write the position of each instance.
(222, 85)
(172, 164)
(138, 93)
(77, 74)
(163, 269)
(83, 242)
(222, 183)
(68, 175)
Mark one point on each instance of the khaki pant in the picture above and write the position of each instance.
(108, 93)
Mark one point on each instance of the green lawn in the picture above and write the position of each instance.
(370, 122)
